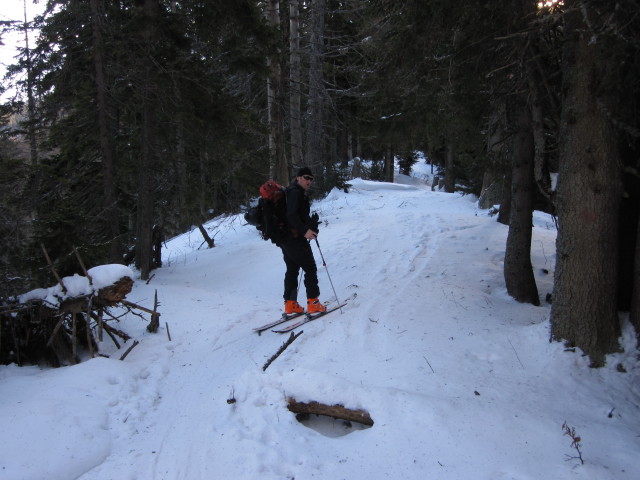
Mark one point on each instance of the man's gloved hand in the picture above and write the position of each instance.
(314, 222)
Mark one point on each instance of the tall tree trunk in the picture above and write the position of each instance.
(279, 168)
(389, 164)
(450, 129)
(504, 214)
(294, 83)
(518, 272)
(315, 113)
(541, 169)
(185, 211)
(204, 194)
(496, 173)
(111, 219)
(584, 311)
(449, 170)
(148, 153)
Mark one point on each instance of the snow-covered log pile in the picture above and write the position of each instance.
(60, 325)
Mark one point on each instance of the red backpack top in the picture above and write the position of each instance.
(271, 191)
(269, 216)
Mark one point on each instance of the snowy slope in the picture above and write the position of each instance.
(460, 380)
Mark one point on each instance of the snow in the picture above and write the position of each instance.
(77, 285)
(460, 380)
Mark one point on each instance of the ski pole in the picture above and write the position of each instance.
(299, 282)
(324, 264)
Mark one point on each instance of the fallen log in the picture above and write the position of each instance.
(335, 411)
(117, 292)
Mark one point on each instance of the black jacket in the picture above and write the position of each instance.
(298, 209)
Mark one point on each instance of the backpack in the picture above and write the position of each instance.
(269, 215)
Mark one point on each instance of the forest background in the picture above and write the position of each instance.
(133, 120)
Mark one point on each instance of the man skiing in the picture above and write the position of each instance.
(296, 249)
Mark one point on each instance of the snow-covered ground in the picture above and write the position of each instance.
(460, 380)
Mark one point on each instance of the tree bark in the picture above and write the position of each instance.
(389, 164)
(584, 310)
(294, 83)
(111, 219)
(518, 272)
(335, 411)
(206, 236)
(148, 154)
(497, 176)
(541, 169)
(279, 168)
(449, 170)
(504, 214)
(315, 111)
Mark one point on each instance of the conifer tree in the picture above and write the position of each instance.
(190, 105)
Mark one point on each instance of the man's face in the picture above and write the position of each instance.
(305, 181)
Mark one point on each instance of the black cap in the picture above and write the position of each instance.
(304, 171)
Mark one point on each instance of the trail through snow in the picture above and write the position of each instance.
(460, 380)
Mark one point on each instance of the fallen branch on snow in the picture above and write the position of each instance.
(284, 346)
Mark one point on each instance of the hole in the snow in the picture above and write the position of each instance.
(330, 420)
(329, 426)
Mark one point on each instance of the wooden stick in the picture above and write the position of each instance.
(55, 331)
(154, 324)
(74, 340)
(113, 337)
(168, 334)
(284, 346)
(425, 358)
(89, 337)
(100, 325)
(206, 236)
(514, 351)
(133, 305)
(55, 274)
(109, 314)
(88, 322)
(115, 331)
(129, 349)
(82, 265)
(15, 341)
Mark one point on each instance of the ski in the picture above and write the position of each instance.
(282, 319)
(308, 318)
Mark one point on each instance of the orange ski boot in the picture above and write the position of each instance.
(314, 306)
(291, 306)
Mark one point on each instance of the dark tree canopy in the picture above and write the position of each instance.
(143, 114)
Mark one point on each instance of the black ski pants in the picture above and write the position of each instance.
(298, 255)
